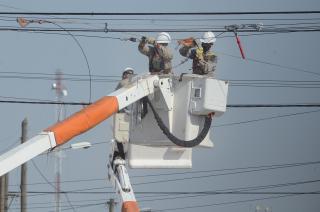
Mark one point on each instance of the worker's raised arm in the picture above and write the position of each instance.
(143, 46)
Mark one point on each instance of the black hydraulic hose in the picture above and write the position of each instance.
(191, 143)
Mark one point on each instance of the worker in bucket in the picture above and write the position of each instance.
(204, 60)
(126, 76)
(159, 53)
(118, 147)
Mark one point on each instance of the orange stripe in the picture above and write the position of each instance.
(84, 120)
(130, 206)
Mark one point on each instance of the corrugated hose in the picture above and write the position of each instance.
(190, 143)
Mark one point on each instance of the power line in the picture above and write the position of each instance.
(49, 183)
(271, 105)
(239, 190)
(248, 168)
(156, 22)
(209, 175)
(66, 79)
(115, 79)
(202, 205)
(226, 203)
(229, 105)
(198, 194)
(176, 19)
(46, 203)
(226, 193)
(114, 30)
(83, 53)
(273, 64)
(265, 118)
(117, 38)
(309, 85)
(162, 13)
(187, 194)
(183, 19)
(54, 75)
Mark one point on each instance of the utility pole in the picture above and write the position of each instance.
(111, 204)
(4, 193)
(23, 185)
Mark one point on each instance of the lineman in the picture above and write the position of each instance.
(204, 60)
(159, 53)
(126, 75)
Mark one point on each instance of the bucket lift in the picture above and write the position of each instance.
(158, 119)
(182, 104)
(158, 130)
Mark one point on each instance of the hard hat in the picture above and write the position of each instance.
(127, 70)
(208, 37)
(163, 37)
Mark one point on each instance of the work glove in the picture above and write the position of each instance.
(151, 41)
(199, 53)
(143, 39)
(189, 42)
(133, 39)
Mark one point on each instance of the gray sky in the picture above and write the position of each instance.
(286, 140)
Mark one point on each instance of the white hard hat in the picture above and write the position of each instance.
(208, 37)
(163, 37)
(128, 69)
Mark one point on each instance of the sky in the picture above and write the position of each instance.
(252, 145)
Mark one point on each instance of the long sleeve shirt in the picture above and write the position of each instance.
(159, 57)
(202, 62)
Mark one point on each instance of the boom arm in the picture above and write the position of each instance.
(78, 123)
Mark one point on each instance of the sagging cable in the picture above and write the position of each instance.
(179, 142)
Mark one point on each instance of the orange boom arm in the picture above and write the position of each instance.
(84, 120)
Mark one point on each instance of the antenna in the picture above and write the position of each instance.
(60, 115)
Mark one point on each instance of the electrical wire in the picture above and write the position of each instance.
(271, 105)
(238, 190)
(309, 85)
(243, 190)
(47, 203)
(258, 169)
(49, 183)
(228, 106)
(264, 119)
(234, 83)
(273, 64)
(248, 168)
(66, 79)
(150, 21)
(83, 53)
(116, 38)
(227, 203)
(144, 30)
(225, 193)
(163, 13)
(161, 19)
(220, 192)
(187, 196)
(206, 176)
